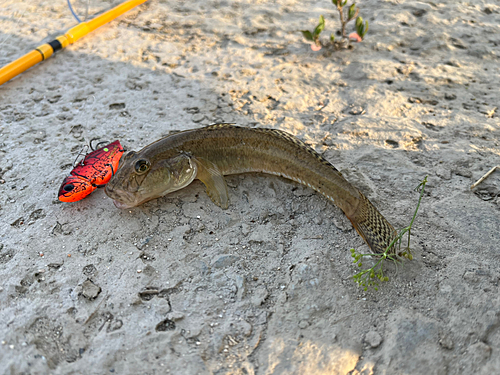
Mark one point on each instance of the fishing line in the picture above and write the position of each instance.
(73, 12)
(75, 15)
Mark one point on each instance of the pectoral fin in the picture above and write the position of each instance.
(211, 176)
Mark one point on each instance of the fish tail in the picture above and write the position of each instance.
(372, 226)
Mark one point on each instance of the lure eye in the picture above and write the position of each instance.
(141, 166)
(68, 187)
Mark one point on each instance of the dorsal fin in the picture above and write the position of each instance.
(221, 125)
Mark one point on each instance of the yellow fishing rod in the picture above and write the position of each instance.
(72, 35)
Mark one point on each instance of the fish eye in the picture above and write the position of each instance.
(141, 166)
(68, 187)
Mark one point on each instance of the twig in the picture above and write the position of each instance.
(341, 13)
(484, 177)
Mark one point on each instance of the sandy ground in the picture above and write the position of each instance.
(179, 286)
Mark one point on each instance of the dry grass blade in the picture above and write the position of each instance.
(484, 177)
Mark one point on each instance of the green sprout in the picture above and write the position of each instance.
(375, 274)
(314, 36)
(345, 17)
(361, 28)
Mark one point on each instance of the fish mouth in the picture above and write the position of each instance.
(122, 198)
(133, 201)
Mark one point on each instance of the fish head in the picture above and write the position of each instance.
(74, 188)
(140, 178)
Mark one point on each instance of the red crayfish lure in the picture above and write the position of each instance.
(93, 172)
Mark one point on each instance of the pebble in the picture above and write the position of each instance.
(246, 328)
(357, 110)
(259, 297)
(463, 172)
(373, 339)
(444, 173)
(446, 342)
(471, 276)
(143, 242)
(197, 117)
(90, 290)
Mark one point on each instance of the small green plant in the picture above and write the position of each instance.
(314, 36)
(345, 18)
(375, 274)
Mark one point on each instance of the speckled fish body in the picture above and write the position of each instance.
(209, 153)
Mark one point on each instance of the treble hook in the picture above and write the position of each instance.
(97, 145)
(82, 152)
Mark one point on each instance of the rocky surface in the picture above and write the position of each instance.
(180, 286)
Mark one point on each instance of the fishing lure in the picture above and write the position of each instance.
(93, 172)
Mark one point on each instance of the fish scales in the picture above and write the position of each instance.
(223, 149)
(238, 150)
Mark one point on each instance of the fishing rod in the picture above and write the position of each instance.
(46, 50)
